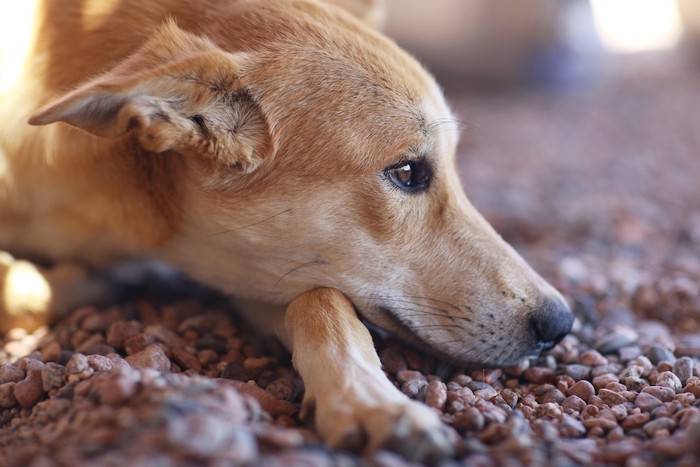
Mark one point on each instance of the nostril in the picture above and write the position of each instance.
(552, 322)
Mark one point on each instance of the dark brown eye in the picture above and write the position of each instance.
(412, 176)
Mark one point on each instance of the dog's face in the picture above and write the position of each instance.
(322, 156)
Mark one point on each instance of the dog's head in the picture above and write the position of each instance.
(312, 151)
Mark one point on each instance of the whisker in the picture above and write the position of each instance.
(455, 307)
(452, 341)
(451, 318)
(254, 223)
(294, 269)
(413, 312)
(441, 326)
(401, 300)
(460, 124)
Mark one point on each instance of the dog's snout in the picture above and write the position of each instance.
(551, 322)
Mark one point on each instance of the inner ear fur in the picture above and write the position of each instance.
(179, 92)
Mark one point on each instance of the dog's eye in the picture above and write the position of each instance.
(412, 176)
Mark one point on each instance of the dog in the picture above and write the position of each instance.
(283, 152)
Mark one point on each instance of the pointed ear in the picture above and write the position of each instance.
(179, 93)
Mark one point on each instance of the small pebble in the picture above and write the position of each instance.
(683, 369)
(119, 388)
(186, 360)
(151, 357)
(693, 386)
(613, 368)
(571, 427)
(137, 343)
(663, 393)
(582, 389)
(573, 403)
(689, 346)
(552, 395)
(10, 373)
(100, 362)
(469, 420)
(652, 427)
(599, 422)
(28, 391)
(592, 358)
(538, 375)
(658, 353)
(120, 331)
(7, 396)
(77, 364)
(647, 402)
(646, 365)
(406, 375)
(52, 376)
(578, 372)
(614, 341)
(604, 379)
(634, 371)
(161, 334)
(634, 384)
(415, 388)
(669, 380)
(629, 352)
(611, 398)
(636, 420)
(436, 395)
(282, 389)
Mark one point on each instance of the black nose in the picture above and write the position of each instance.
(551, 322)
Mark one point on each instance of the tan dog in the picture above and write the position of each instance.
(281, 151)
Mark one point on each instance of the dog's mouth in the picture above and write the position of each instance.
(393, 324)
(406, 333)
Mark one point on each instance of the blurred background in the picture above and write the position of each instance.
(536, 42)
(580, 138)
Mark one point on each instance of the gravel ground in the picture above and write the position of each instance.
(597, 188)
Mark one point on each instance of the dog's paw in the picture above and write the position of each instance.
(357, 407)
(406, 427)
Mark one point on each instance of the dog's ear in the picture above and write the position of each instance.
(180, 93)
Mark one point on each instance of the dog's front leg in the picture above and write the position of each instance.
(356, 405)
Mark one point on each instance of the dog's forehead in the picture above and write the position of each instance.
(381, 99)
(339, 89)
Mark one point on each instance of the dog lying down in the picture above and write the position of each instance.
(283, 152)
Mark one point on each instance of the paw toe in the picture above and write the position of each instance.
(345, 433)
(424, 443)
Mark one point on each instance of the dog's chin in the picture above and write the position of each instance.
(389, 322)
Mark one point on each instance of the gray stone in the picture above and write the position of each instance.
(683, 368)
(659, 353)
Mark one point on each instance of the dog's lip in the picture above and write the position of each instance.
(404, 332)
